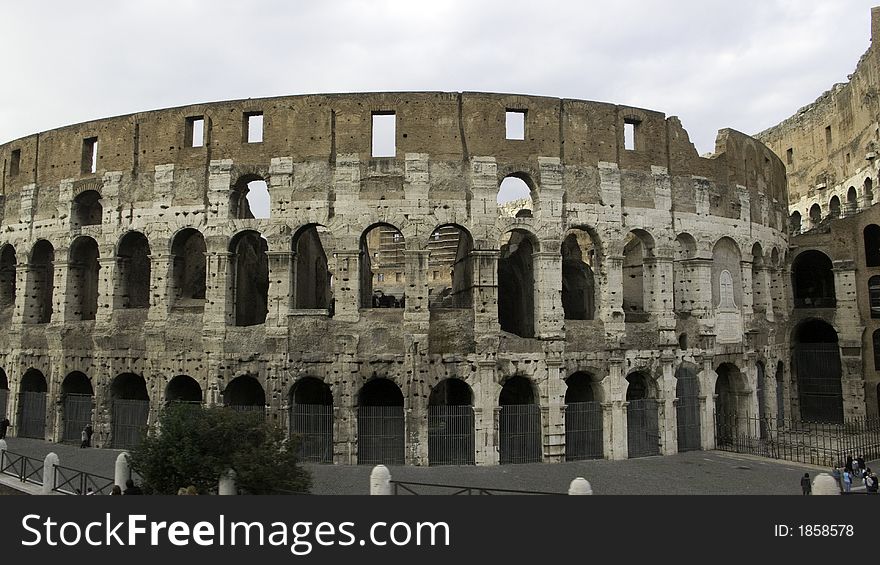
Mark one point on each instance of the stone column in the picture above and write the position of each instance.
(279, 287)
(549, 314)
(23, 277)
(62, 310)
(611, 299)
(161, 265)
(219, 184)
(280, 185)
(618, 430)
(747, 299)
(485, 413)
(764, 300)
(218, 299)
(108, 288)
(707, 393)
(668, 415)
(664, 301)
(347, 292)
(553, 408)
(485, 299)
(416, 273)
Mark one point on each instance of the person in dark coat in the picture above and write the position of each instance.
(805, 484)
(131, 488)
(89, 431)
(4, 425)
(861, 461)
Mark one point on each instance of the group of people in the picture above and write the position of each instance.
(855, 469)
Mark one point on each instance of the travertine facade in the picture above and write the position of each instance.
(149, 268)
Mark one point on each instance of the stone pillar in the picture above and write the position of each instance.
(850, 329)
(23, 278)
(122, 470)
(416, 273)
(747, 299)
(279, 287)
(62, 310)
(611, 299)
(380, 481)
(485, 417)
(485, 299)
(161, 265)
(668, 415)
(218, 300)
(618, 431)
(764, 295)
(549, 314)
(108, 288)
(707, 393)
(49, 464)
(553, 408)
(280, 186)
(664, 301)
(347, 292)
(219, 184)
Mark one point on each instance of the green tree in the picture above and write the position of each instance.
(193, 445)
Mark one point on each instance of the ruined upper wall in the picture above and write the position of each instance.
(836, 137)
(449, 127)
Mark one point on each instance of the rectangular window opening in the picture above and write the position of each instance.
(828, 137)
(90, 155)
(629, 134)
(195, 131)
(789, 156)
(384, 143)
(515, 124)
(253, 127)
(14, 162)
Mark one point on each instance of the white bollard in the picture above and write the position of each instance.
(380, 481)
(3, 446)
(824, 484)
(49, 473)
(122, 472)
(580, 486)
(226, 485)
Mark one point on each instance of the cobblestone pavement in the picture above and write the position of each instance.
(695, 472)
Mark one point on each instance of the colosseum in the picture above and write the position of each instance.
(348, 266)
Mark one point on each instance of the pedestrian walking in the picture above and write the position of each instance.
(856, 469)
(870, 481)
(4, 425)
(84, 436)
(861, 461)
(849, 464)
(805, 484)
(847, 480)
(89, 432)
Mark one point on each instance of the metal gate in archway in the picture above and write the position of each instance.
(450, 435)
(818, 379)
(519, 427)
(129, 422)
(4, 401)
(380, 435)
(642, 428)
(583, 431)
(32, 414)
(77, 414)
(312, 425)
(687, 410)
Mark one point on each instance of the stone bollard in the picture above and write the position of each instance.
(226, 486)
(580, 486)
(49, 473)
(3, 446)
(824, 484)
(122, 472)
(380, 481)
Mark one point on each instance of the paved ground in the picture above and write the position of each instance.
(696, 472)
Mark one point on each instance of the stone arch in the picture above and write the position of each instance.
(519, 422)
(834, 207)
(249, 198)
(852, 201)
(32, 394)
(188, 268)
(580, 263)
(383, 267)
(868, 192)
(818, 371)
(130, 412)
(812, 280)
(451, 423)
(583, 417)
(450, 267)
(86, 209)
(183, 389)
(8, 266)
(40, 284)
(688, 411)
(249, 283)
(794, 223)
(516, 284)
(637, 279)
(311, 280)
(815, 215)
(381, 423)
(642, 417)
(82, 278)
(311, 419)
(245, 394)
(517, 195)
(726, 293)
(731, 403)
(77, 405)
(133, 271)
(871, 235)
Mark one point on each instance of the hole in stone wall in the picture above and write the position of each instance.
(188, 268)
(384, 134)
(195, 131)
(14, 162)
(451, 285)
(516, 285)
(629, 134)
(89, 155)
(250, 278)
(515, 124)
(311, 277)
(133, 265)
(7, 280)
(253, 127)
(249, 198)
(41, 283)
(86, 209)
(578, 281)
(514, 198)
(82, 283)
(382, 253)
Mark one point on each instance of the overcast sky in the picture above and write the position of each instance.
(744, 64)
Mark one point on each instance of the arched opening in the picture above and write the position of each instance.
(311, 419)
(383, 267)
(760, 290)
(726, 276)
(133, 271)
(86, 209)
(311, 276)
(637, 249)
(583, 418)
(818, 370)
(875, 340)
(381, 424)
(82, 278)
(760, 388)
(815, 215)
(872, 245)
(834, 207)
(450, 268)
(579, 263)
(131, 410)
(4, 394)
(249, 198)
(519, 423)
(78, 402)
(250, 278)
(869, 192)
(7, 281)
(812, 281)
(183, 389)
(40, 284)
(780, 393)
(852, 201)
(451, 424)
(794, 223)
(687, 408)
(32, 405)
(515, 197)
(642, 421)
(188, 269)
(683, 293)
(516, 284)
(874, 295)
(731, 408)
(245, 394)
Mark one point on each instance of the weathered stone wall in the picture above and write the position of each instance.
(451, 156)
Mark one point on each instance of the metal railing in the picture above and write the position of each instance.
(73, 481)
(25, 469)
(411, 488)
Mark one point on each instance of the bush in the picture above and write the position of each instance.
(194, 445)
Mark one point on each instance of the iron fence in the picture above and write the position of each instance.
(817, 443)
(583, 431)
(73, 481)
(519, 427)
(312, 426)
(642, 428)
(380, 435)
(32, 414)
(451, 435)
(411, 488)
(25, 469)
